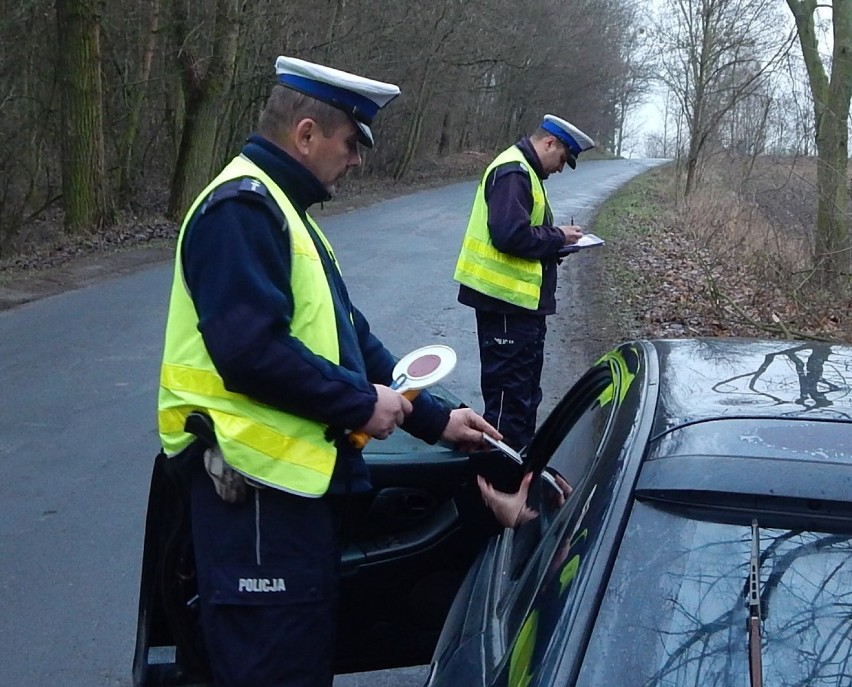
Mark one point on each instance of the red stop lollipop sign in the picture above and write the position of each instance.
(417, 370)
(423, 367)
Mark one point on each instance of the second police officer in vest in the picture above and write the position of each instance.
(261, 336)
(507, 270)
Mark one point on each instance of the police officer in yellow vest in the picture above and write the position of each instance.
(263, 338)
(507, 271)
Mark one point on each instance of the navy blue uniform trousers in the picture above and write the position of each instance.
(267, 582)
(511, 356)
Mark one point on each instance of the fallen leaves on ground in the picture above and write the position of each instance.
(681, 278)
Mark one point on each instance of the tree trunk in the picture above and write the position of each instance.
(331, 36)
(832, 231)
(140, 89)
(833, 249)
(205, 102)
(444, 139)
(412, 139)
(84, 197)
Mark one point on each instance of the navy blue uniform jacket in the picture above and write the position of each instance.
(236, 261)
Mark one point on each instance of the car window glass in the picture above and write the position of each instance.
(547, 553)
(570, 452)
(546, 593)
(573, 457)
(674, 611)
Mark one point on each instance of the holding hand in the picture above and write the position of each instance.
(465, 429)
(388, 413)
(510, 510)
(573, 233)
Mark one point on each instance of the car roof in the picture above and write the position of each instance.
(784, 407)
(704, 379)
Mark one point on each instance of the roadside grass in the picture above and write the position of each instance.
(629, 219)
(723, 262)
(633, 211)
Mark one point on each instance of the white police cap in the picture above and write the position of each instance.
(358, 97)
(573, 139)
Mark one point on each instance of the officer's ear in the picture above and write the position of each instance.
(304, 135)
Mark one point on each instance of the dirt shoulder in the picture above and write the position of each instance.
(77, 273)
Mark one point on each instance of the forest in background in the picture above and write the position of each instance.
(134, 104)
(114, 115)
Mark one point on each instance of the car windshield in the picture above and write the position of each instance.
(675, 610)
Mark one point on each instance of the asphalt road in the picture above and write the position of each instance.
(77, 421)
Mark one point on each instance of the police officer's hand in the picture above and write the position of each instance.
(573, 233)
(388, 413)
(465, 429)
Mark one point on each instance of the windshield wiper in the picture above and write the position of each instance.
(755, 659)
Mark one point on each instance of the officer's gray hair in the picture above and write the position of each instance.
(285, 108)
(540, 133)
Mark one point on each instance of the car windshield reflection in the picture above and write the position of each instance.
(680, 606)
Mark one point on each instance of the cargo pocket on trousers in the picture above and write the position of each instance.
(270, 585)
(268, 624)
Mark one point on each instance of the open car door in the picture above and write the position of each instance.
(414, 539)
(406, 548)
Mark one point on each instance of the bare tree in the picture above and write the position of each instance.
(28, 104)
(715, 53)
(444, 26)
(206, 77)
(136, 91)
(84, 196)
(831, 97)
(155, 93)
(632, 85)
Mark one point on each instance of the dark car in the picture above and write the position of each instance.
(707, 541)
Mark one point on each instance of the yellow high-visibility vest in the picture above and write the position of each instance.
(268, 445)
(484, 268)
